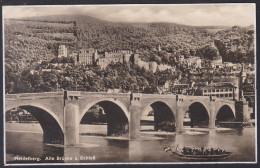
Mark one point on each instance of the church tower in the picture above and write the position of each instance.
(243, 74)
(242, 78)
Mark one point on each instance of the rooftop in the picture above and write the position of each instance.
(221, 84)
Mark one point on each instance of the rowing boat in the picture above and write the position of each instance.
(202, 157)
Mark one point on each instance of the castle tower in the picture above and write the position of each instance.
(95, 56)
(126, 58)
(153, 66)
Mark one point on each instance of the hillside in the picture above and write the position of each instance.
(236, 44)
(36, 38)
(31, 39)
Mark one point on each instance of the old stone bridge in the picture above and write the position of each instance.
(60, 113)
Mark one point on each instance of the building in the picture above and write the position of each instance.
(163, 67)
(62, 51)
(225, 90)
(164, 86)
(179, 88)
(122, 56)
(87, 57)
(142, 64)
(217, 62)
(228, 64)
(20, 115)
(151, 66)
(193, 62)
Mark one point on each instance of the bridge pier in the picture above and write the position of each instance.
(71, 124)
(242, 113)
(135, 117)
(134, 124)
(246, 115)
(212, 117)
(179, 114)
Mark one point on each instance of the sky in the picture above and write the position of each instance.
(191, 14)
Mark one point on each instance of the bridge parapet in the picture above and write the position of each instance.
(34, 95)
(224, 100)
(104, 94)
(158, 95)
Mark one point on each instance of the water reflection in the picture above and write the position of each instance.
(149, 149)
(136, 151)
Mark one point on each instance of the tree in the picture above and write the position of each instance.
(209, 52)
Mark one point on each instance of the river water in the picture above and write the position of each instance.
(241, 142)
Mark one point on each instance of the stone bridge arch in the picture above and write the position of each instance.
(88, 105)
(163, 112)
(224, 112)
(145, 105)
(40, 106)
(220, 104)
(198, 113)
(117, 115)
(50, 123)
(187, 105)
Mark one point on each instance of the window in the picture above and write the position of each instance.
(226, 95)
(230, 89)
(205, 91)
(230, 95)
(213, 90)
(221, 90)
(221, 95)
(217, 90)
(226, 89)
(217, 95)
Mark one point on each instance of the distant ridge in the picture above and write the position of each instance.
(91, 19)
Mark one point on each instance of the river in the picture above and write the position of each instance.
(21, 145)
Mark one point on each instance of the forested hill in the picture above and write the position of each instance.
(29, 39)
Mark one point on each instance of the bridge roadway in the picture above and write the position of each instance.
(60, 113)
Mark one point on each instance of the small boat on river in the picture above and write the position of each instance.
(199, 154)
(202, 157)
